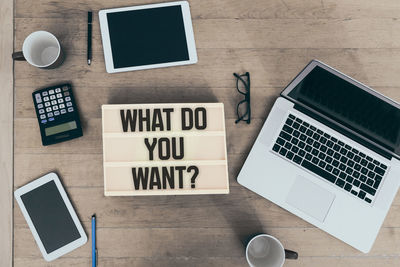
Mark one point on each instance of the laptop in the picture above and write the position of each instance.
(329, 153)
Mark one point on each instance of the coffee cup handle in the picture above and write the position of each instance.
(19, 56)
(291, 255)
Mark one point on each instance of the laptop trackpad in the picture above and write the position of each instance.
(310, 198)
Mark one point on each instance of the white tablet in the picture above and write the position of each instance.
(147, 36)
(50, 216)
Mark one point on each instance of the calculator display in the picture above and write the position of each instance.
(60, 128)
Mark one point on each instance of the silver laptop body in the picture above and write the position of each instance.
(329, 153)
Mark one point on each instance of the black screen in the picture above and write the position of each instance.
(50, 216)
(351, 106)
(147, 36)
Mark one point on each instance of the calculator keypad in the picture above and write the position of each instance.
(38, 98)
(53, 102)
(57, 114)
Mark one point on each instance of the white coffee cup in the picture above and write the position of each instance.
(267, 251)
(41, 49)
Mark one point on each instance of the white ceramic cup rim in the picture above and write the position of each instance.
(268, 236)
(49, 34)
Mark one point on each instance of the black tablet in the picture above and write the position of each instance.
(148, 36)
(50, 216)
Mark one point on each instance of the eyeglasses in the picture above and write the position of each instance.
(243, 107)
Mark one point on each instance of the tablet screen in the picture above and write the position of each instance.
(50, 216)
(147, 36)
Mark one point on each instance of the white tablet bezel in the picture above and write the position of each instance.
(187, 20)
(31, 186)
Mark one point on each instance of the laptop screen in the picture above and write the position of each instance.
(351, 106)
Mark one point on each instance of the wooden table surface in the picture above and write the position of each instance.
(273, 40)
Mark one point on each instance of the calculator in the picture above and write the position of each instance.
(57, 114)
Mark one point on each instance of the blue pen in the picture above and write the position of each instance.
(94, 250)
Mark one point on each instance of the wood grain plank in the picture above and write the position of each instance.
(268, 68)
(244, 33)
(237, 9)
(344, 261)
(6, 132)
(210, 242)
(138, 262)
(388, 261)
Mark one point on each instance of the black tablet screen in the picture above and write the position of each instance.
(50, 216)
(147, 36)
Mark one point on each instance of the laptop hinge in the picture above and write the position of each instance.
(343, 131)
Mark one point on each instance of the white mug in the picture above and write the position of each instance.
(267, 251)
(41, 49)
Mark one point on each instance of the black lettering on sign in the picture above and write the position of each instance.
(198, 119)
(128, 119)
(180, 169)
(168, 117)
(196, 172)
(168, 176)
(155, 178)
(164, 148)
(140, 178)
(200, 112)
(174, 149)
(167, 151)
(144, 119)
(187, 118)
(162, 177)
(150, 147)
(157, 120)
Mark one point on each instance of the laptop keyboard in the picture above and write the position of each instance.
(330, 158)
